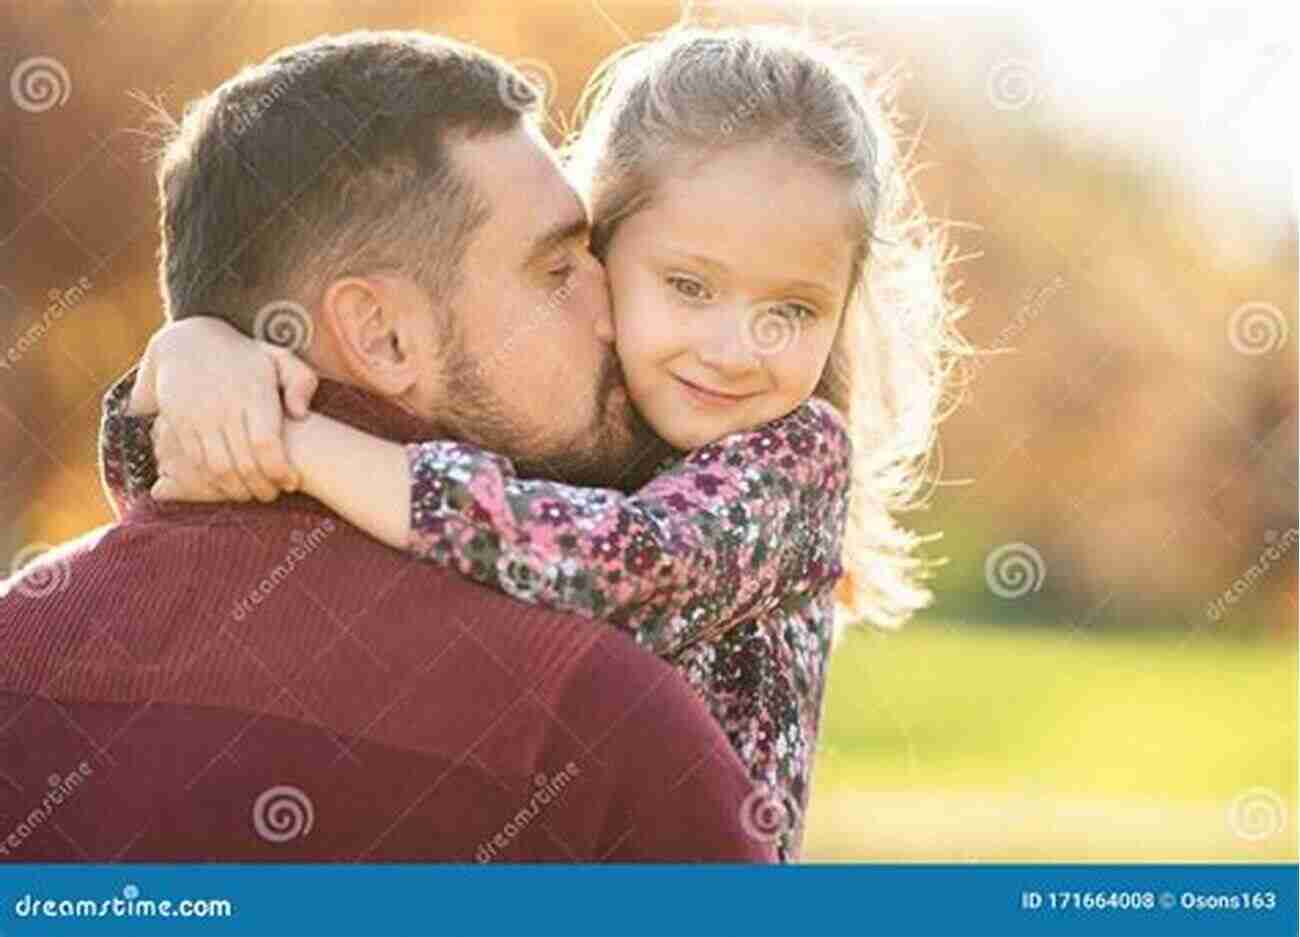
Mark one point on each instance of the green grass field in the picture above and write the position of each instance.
(947, 742)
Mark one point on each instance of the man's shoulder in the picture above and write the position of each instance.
(254, 563)
(40, 570)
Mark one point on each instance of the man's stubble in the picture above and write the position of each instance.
(618, 450)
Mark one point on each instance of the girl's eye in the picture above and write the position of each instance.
(796, 311)
(562, 272)
(688, 287)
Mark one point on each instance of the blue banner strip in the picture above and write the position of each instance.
(798, 901)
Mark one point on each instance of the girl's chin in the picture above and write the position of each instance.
(685, 427)
(685, 434)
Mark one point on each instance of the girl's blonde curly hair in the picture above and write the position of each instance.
(693, 89)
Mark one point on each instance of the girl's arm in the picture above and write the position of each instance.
(362, 477)
(722, 536)
(221, 393)
(126, 464)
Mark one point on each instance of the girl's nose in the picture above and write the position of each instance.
(727, 348)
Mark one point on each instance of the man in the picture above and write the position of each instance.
(263, 682)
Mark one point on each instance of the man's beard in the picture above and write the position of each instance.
(619, 450)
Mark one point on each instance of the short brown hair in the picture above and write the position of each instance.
(330, 158)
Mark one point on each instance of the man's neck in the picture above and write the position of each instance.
(371, 413)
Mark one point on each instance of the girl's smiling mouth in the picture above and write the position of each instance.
(709, 397)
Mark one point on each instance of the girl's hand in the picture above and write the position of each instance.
(179, 479)
(219, 392)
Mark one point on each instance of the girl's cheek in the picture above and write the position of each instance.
(635, 347)
(817, 367)
(800, 369)
(649, 327)
(628, 294)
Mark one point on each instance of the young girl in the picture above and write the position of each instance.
(712, 160)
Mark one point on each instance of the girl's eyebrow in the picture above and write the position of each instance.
(697, 258)
(808, 286)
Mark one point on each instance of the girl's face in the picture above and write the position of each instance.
(728, 289)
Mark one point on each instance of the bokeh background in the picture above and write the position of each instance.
(1109, 670)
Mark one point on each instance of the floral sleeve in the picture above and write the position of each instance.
(126, 463)
(719, 538)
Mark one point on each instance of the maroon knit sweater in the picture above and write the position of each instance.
(266, 683)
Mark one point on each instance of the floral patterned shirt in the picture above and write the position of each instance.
(724, 564)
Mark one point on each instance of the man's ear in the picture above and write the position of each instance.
(369, 326)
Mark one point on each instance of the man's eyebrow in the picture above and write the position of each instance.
(556, 234)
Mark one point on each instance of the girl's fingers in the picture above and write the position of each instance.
(297, 379)
(181, 478)
(192, 445)
(143, 400)
(241, 453)
(221, 466)
(164, 489)
(264, 424)
(167, 488)
(169, 453)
